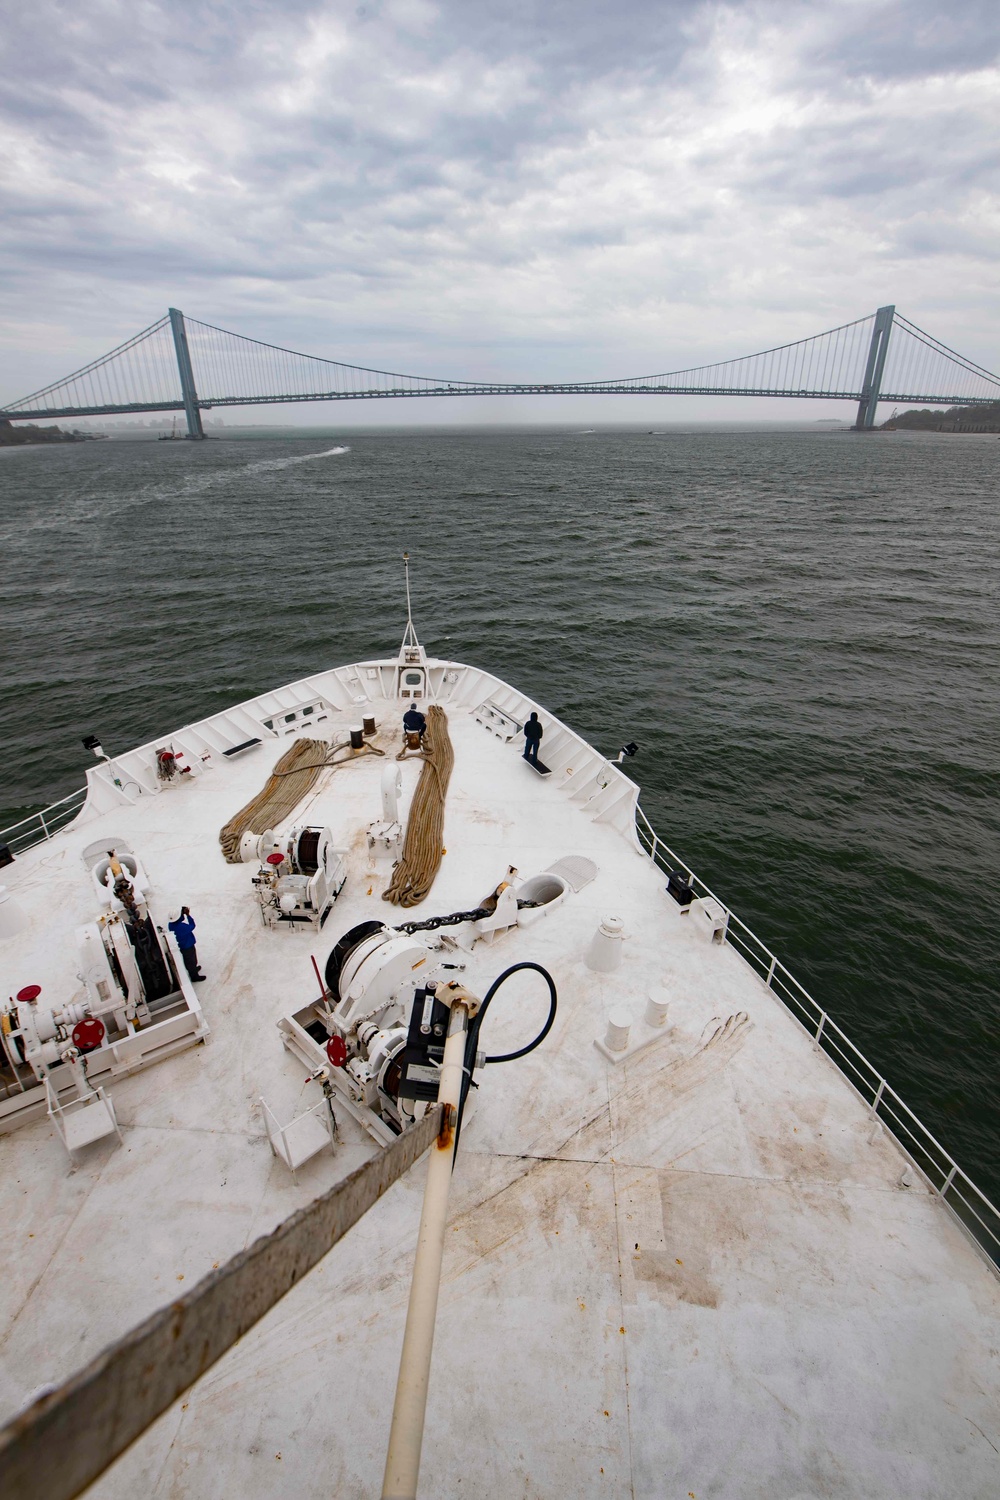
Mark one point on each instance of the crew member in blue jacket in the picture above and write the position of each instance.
(182, 926)
(532, 739)
(414, 721)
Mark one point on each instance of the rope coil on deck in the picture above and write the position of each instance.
(294, 775)
(423, 849)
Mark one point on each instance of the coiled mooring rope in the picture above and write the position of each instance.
(293, 777)
(423, 848)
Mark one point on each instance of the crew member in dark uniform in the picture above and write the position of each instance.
(182, 925)
(414, 721)
(532, 739)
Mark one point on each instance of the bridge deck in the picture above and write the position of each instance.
(181, 363)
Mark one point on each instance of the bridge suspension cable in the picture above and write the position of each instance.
(827, 364)
(140, 375)
(185, 364)
(919, 364)
(235, 370)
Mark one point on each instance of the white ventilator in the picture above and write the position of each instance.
(604, 954)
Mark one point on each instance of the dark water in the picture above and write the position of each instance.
(800, 629)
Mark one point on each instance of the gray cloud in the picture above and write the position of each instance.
(554, 190)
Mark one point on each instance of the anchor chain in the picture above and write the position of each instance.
(430, 924)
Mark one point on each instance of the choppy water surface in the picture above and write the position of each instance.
(800, 629)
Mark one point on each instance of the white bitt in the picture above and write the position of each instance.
(657, 1006)
(627, 1035)
(605, 952)
(619, 1027)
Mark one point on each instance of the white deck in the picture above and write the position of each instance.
(690, 1275)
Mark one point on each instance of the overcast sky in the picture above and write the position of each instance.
(556, 190)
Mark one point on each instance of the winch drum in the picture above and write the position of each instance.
(306, 851)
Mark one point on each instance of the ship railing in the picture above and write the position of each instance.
(942, 1174)
(39, 826)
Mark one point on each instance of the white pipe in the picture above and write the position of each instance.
(402, 1463)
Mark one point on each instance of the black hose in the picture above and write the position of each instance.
(472, 1040)
(503, 1057)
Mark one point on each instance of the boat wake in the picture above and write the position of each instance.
(302, 458)
(94, 504)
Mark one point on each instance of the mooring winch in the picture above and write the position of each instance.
(378, 1031)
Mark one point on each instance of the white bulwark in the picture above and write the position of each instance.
(708, 1257)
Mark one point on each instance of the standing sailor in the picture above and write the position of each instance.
(532, 739)
(182, 925)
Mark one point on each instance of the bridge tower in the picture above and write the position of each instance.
(190, 395)
(877, 351)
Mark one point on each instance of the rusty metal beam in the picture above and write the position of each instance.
(66, 1439)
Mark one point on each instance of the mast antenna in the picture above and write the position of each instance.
(409, 634)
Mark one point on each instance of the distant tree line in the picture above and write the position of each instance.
(955, 419)
(27, 432)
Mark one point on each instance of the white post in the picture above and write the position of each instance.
(876, 1122)
(402, 1464)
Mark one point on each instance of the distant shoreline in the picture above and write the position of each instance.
(22, 437)
(955, 419)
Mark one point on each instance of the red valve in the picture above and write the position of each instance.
(336, 1051)
(88, 1034)
(29, 994)
(275, 858)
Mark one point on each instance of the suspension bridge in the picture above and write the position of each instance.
(179, 364)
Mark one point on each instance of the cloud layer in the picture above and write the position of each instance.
(552, 190)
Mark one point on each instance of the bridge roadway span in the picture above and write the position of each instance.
(180, 364)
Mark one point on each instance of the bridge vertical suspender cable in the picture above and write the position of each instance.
(182, 364)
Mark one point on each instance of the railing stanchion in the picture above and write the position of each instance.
(810, 1014)
(35, 827)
